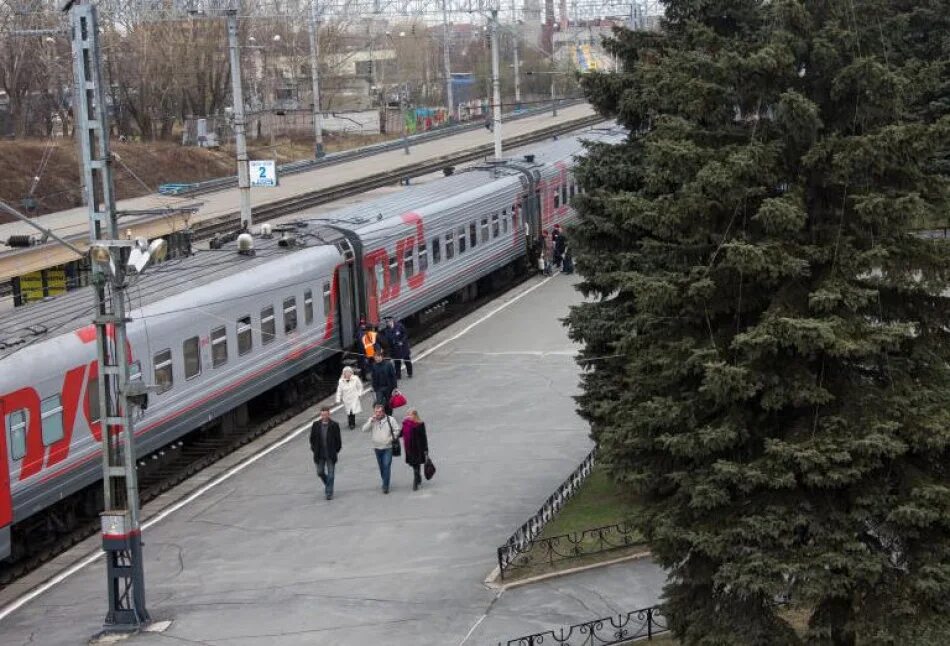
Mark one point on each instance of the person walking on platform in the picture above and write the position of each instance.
(547, 253)
(326, 445)
(348, 392)
(416, 445)
(384, 381)
(385, 433)
(398, 340)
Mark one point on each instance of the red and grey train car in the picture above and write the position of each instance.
(211, 332)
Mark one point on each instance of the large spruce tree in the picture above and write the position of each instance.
(767, 343)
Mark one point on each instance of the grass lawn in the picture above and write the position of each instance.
(599, 503)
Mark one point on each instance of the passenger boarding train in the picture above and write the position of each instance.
(212, 331)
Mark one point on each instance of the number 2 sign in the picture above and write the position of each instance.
(263, 173)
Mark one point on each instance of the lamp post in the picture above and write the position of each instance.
(314, 26)
(401, 90)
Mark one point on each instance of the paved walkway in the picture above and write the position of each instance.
(264, 559)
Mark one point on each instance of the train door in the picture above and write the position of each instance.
(375, 265)
(6, 500)
(345, 303)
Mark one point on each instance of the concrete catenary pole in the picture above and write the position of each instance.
(240, 123)
(515, 37)
(496, 85)
(315, 80)
(447, 61)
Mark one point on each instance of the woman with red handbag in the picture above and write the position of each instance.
(416, 444)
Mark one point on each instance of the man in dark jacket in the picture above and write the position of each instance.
(326, 444)
(384, 381)
(398, 341)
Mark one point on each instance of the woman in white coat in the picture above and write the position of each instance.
(348, 391)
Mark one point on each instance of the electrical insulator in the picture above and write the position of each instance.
(20, 241)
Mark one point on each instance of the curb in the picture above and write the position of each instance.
(492, 583)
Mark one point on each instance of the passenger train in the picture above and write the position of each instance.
(212, 331)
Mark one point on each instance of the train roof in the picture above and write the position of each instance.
(23, 326)
(373, 214)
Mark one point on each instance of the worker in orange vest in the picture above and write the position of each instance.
(370, 347)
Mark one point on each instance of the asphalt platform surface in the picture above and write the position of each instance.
(262, 558)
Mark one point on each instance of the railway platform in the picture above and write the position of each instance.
(73, 224)
(250, 552)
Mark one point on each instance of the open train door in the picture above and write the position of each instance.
(6, 500)
(346, 312)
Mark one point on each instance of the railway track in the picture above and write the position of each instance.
(231, 221)
(186, 457)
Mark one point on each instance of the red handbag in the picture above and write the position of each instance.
(397, 400)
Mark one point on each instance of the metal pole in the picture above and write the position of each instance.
(237, 93)
(496, 85)
(446, 62)
(402, 113)
(553, 96)
(516, 36)
(121, 530)
(315, 79)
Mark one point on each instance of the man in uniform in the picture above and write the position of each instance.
(398, 341)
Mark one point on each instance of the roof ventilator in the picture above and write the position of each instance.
(266, 231)
(288, 240)
(245, 243)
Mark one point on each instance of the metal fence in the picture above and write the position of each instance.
(548, 551)
(519, 542)
(617, 629)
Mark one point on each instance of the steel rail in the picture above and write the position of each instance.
(297, 203)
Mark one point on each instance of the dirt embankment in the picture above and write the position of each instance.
(141, 167)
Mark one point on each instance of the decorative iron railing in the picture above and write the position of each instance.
(548, 551)
(520, 542)
(617, 629)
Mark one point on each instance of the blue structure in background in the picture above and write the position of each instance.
(463, 86)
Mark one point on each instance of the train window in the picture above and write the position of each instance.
(504, 221)
(408, 261)
(191, 350)
(423, 257)
(135, 371)
(436, 250)
(557, 198)
(449, 246)
(51, 410)
(308, 306)
(290, 315)
(485, 229)
(495, 227)
(268, 326)
(326, 298)
(164, 376)
(514, 219)
(573, 190)
(564, 194)
(461, 236)
(472, 234)
(17, 423)
(244, 338)
(394, 270)
(219, 346)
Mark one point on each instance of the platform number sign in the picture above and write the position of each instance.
(263, 173)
